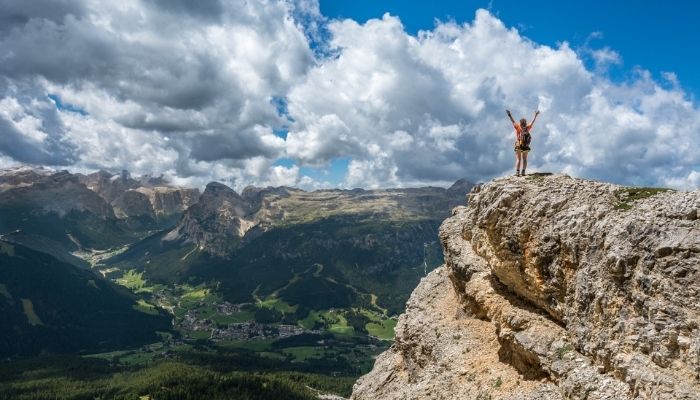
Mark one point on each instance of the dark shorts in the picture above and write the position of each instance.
(522, 149)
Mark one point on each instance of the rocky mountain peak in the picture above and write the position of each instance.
(23, 175)
(217, 189)
(554, 288)
(219, 197)
(150, 197)
(216, 221)
(461, 185)
(108, 186)
(252, 193)
(154, 180)
(222, 217)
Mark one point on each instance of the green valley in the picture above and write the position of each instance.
(275, 290)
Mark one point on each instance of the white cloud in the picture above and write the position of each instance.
(283, 176)
(434, 105)
(18, 117)
(167, 86)
(8, 162)
(324, 138)
(199, 91)
(606, 57)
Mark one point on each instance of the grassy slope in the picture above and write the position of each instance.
(51, 306)
(89, 230)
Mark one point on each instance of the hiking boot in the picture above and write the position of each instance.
(522, 173)
(517, 173)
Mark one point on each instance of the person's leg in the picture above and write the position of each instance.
(524, 162)
(517, 162)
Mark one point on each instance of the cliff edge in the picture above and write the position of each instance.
(554, 288)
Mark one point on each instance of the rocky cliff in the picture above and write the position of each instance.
(153, 202)
(57, 211)
(146, 198)
(53, 212)
(43, 191)
(554, 288)
(216, 219)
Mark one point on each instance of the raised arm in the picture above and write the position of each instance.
(534, 118)
(510, 116)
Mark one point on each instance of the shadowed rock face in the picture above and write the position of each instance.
(45, 192)
(55, 213)
(133, 204)
(562, 288)
(167, 201)
(17, 176)
(147, 197)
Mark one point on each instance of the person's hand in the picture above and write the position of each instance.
(537, 112)
(508, 112)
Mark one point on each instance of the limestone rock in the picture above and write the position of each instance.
(21, 176)
(216, 220)
(107, 185)
(149, 197)
(588, 291)
(168, 200)
(442, 352)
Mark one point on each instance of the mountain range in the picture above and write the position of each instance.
(291, 261)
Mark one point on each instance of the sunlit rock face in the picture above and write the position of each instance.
(151, 200)
(554, 288)
(216, 220)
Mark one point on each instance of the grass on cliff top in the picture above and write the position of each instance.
(626, 196)
(537, 176)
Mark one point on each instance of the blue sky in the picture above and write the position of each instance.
(660, 36)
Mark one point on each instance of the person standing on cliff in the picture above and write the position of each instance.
(522, 141)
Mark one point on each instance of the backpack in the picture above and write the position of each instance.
(525, 138)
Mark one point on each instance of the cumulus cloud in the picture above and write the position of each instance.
(431, 108)
(16, 13)
(222, 90)
(324, 138)
(428, 108)
(164, 86)
(31, 131)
